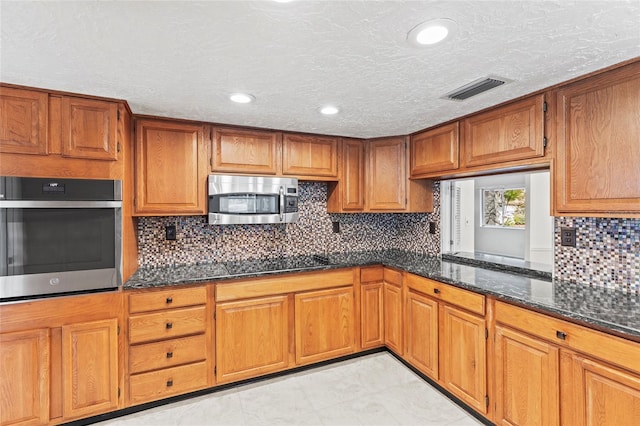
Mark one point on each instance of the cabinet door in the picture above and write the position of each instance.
(527, 380)
(598, 150)
(171, 168)
(372, 315)
(89, 368)
(252, 338)
(245, 151)
(89, 129)
(387, 174)
(602, 395)
(305, 155)
(421, 333)
(352, 182)
(24, 369)
(23, 121)
(393, 318)
(463, 356)
(435, 150)
(324, 324)
(512, 132)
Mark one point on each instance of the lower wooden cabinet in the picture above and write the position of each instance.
(324, 324)
(599, 394)
(24, 369)
(372, 315)
(252, 337)
(393, 321)
(526, 374)
(90, 367)
(421, 333)
(167, 382)
(463, 356)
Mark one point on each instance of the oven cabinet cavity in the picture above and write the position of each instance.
(57, 365)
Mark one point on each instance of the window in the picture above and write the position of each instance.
(504, 207)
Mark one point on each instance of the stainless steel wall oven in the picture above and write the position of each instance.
(59, 236)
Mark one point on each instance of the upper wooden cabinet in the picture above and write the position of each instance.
(171, 168)
(435, 150)
(387, 185)
(89, 129)
(512, 132)
(23, 121)
(310, 156)
(245, 151)
(598, 144)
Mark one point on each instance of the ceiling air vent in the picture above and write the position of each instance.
(475, 87)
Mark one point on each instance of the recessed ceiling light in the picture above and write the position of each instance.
(242, 98)
(329, 110)
(431, 32)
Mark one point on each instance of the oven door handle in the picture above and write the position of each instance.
(282, 203)
(32, 204)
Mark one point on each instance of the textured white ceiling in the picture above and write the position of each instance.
(182, 59)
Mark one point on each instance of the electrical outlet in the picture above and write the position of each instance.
(170, 232)
(568, 237)
(336, 227)
(432, 227)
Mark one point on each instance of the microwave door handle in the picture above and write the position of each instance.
(281, 204)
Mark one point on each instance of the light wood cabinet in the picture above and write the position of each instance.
(393, 311)
(23, 121)
(24, 369)
(324, 324)
(90, 367)
(89, 129)
(171, 168)
(421, 333)
(170, 343)
(526, 379)
(371, 307)
(387, 185)
(252, 337)
(508, 133)
(435, 150)
(310, 156)
(353, 176)
(598, 150)
(237, 150)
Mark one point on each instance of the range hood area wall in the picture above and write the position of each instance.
(198, 241)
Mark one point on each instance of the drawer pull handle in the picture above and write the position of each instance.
(169, 325)
(561, 335)
(436, 290)
(169, 354)
(169, 300)
(169, 383)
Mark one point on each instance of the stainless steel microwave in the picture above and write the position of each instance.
(59, 236)
(252, 200)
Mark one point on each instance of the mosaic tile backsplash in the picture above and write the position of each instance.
(199, 242)
(607, 253)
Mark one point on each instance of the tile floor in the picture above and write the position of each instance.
(372, 390)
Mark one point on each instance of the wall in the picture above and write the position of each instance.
(607, 253)
(199, 242)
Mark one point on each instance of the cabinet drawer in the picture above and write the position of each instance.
(371, 274)
(166, 325)
(164, 383)
(173, 298)
(468, 300)
(168, 353)
(392, 276)
(591, 342)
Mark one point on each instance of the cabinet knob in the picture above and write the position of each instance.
(169, 300)
(436, 290)
(169, 325)
(169, 354)
(561, 335)
(169, 383)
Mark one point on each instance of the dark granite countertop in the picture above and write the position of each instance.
(611, 310)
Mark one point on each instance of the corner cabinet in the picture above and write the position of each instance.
(310, 157)
(508, 133)
(435, 151)
(235, 150)
(171, 168)
(371, 307)
(598, 149)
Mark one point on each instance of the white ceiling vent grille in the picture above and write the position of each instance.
(475, 87)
